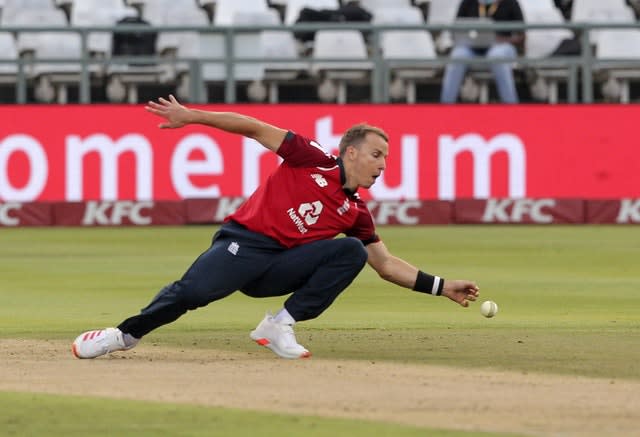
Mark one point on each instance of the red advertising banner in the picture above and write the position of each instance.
(386, 212)
(111, 152)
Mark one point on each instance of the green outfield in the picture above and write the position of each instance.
(569, 305)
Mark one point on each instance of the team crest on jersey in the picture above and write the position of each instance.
(320, 180)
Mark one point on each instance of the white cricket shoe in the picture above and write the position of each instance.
(92, 344)
(278, 337)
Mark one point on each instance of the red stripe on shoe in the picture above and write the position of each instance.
(74, 350)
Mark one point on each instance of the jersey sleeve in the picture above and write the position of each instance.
(363, 229)
(298, 151)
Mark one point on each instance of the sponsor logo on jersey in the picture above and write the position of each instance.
(319, 179)
(345, 207)
(307, 213)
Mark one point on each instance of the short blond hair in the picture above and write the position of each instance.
(356, 134)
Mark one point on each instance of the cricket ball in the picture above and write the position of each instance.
(489, 308)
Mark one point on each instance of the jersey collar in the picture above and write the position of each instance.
(343, 179)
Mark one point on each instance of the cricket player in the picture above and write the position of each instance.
(281, 241)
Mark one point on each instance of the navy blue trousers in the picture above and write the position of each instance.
(239, 259)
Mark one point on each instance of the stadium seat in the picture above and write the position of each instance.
(225, 10)
(621, 47)
(8, 52)
(281, 44)
(123, 79)
(99, 13)
(609, 11)
(10, 8)
(373, 5)
(246, 45)
(541, 44)
(406, 45)
(51, 79)
(27, 42)
(443, 12)
(177, 45)
(339, 44)
(57, 45)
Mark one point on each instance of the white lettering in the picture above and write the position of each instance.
(37, 162)
(5, 217)
(109, 151)
(408, 187)
(182, 167)
(226, 206)
(113, 213)
(629, 211)
(384, 211)
(346, 205)
(481, 150)
(251, 152)
(297, 221)
(95, 213)
(497, 210)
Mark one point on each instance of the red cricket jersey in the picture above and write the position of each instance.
(303, 200)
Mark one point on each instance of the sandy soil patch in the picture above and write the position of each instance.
(422, 395)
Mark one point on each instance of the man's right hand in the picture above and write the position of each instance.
(176, 114)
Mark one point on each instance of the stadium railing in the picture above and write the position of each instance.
(579, 68)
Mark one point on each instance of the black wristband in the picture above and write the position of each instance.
(425, 283)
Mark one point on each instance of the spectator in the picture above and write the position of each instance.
(505, 45)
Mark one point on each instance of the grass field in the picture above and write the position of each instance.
(569, 305)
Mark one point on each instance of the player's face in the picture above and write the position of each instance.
(369, 160)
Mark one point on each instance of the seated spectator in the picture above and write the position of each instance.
(504, 45)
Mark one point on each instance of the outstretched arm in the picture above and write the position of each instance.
(400, 272)
(177, 115)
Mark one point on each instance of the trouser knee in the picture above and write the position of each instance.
(353, 251)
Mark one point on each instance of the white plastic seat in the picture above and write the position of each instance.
(609, 11)
(29, 41)
(416, 45)
(245, 45)
(8, 52)
(443, 12)
(281, 44)
(373, 5)
(160, 12)
(180, 44)
(226, 10)
(57, 45)
(623, 47)
(99, 13)
(340, 44)
(11, 8)
(123, 79)
(51, 79)
(541, 43)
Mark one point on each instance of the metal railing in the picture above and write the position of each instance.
(579, 68)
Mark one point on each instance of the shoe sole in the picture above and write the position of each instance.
(74, 351)
(266, 343)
